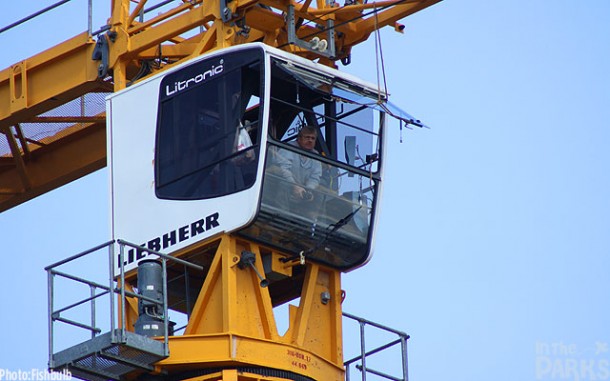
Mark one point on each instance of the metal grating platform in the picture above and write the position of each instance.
(109, 357)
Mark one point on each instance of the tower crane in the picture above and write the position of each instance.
(206, 104)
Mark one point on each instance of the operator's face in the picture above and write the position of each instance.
(307, 141)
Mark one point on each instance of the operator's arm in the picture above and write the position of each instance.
(282, 159)
(314, 177)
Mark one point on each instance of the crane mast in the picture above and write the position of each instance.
(204, 104)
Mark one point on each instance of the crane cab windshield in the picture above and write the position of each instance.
(322, 167)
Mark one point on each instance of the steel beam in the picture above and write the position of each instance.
(53, 165)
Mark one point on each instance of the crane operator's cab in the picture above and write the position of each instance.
(212, 146)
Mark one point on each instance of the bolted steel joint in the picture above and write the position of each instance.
(325, 297)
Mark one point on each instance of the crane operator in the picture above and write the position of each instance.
(299, 174)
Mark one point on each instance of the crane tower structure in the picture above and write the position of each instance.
(204, 103)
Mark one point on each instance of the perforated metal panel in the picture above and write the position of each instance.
(105, 357)
(41, 132)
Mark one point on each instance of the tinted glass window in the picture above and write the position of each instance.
(206, 146)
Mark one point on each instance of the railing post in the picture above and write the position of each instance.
(122, 285)
(405, 365)
(111, 290)
(90, 18)
(92, 288)
(165, 311)
(362, 350)
(187, 287)
(50, 314)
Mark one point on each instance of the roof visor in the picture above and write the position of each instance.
(344, 90)
(381, 104)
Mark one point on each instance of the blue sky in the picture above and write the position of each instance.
(493, 245)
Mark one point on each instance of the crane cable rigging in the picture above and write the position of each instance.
(406, 122)
(361, 16)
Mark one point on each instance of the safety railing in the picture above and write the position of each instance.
(48, 9)
(157, 5)
(97, 291)
(111, 295)
(360, 361)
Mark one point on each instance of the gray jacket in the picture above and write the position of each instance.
(298, 169)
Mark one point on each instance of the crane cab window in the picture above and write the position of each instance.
(319, 201)
(349, 128)
(208, 132)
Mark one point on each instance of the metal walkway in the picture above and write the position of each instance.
(110, 356)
